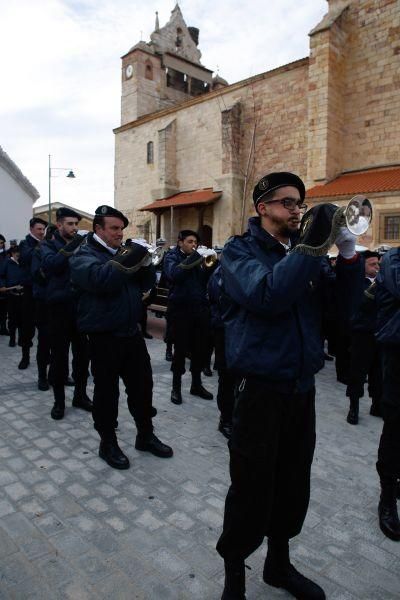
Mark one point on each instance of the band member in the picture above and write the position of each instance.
(61, 310)
(3, 297)
(187, 312)
(273, 342)
(365, 352)
(10, 285)
(388, 336)
(37, 228)
(111, 282)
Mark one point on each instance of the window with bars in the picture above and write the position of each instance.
(391, 227)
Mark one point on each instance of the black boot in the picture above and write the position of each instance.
(176, 395)
(207, 372)
(235, 581)
(57, 412)
(43, 384)
(197, 388)
(81, 399)
(168, 352)
(279, 572)
(112, 453)
(387, 509)
(375, 409)
(12, 342)
(352, 417)
(148, 442)
(24, 364)
(225, 427)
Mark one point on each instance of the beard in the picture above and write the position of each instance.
(286, 227)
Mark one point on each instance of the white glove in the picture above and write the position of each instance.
(346, 243)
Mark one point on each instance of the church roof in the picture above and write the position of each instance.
(16, 173)
(359, 182)
(192, 198)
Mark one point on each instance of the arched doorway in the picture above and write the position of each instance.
(205, 234)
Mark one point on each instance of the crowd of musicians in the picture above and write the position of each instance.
(270, 312)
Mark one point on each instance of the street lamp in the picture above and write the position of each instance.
(70, 175)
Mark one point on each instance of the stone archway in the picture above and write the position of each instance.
(205, 234)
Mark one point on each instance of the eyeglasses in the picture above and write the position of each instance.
(290, 204)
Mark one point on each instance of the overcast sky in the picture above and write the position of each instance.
(60, 74)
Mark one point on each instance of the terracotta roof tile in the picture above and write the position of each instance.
(193, 198)
(360, 182)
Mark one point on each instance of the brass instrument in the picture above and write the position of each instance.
(209, 256)
(155, 250)
(356, 216)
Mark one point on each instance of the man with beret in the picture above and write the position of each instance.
(188, 312)
(365, 352)
(61, 311)
(37, 228)
(10, 285)
(111, 281)
(274, 346)
(388, 336)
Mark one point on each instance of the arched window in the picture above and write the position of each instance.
(149, 71)
(150, 153)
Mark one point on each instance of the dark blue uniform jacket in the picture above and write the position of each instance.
(56, 269)
(273, 313)
(26, 249)
(109, 300)
(188, 287)
(388, 298)
(214, 289)
(38, 279)
(10, 273)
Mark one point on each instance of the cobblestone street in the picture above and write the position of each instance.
(72, 527)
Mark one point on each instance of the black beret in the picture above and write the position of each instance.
(67, 212)
(2, 238)
(109, 211)
(370, 254)
(273, 181)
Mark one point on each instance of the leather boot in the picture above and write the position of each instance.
(388, 516)
(43, 384)
(12, 342)
(225, 427)
(375, 409)
(176, 395)
(235, 581)
(81, 399)
(352, 416)
(279, 572)
(168, 353)
(24, 363)
(112, 453)
(148, 442)
(197, 388)
(57, 412)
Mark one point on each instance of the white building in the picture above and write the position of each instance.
(17, 196)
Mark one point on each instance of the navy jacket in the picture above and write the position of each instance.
(388, 298)
(188, 287)
(109, 300)
(214, 289)
(10, 273)
(273, 310)
(26, 249)
(56, 269)
(365, 311)
(39, 280)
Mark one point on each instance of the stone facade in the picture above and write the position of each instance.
(337, 110)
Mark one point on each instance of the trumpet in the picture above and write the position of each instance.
(209, 256)
(155, 250)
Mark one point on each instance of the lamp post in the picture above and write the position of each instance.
(70, 175)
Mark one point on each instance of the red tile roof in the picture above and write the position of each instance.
(193, 198)
(360, 182)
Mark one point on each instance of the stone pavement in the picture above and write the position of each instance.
(72, 527)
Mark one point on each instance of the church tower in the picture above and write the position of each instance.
(163, 72)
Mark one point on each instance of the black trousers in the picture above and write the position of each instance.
(226, 379)
(271, 451)
(14, 308)
(43, 344)
(365, 360)
(126, 357)
(342, 362)
(3, 311)
(28, 318)
(388, 464)
(63, 332)
(188, 331)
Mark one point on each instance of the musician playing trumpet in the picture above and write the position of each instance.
(188, 312)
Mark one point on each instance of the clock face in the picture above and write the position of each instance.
(129, 71)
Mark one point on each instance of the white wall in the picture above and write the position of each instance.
(15, 208)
